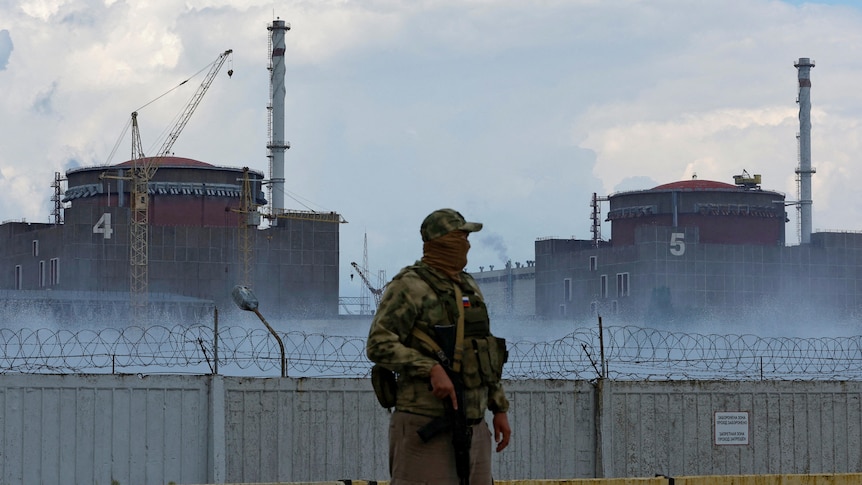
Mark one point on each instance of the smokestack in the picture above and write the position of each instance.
(804, 170)
(276, 145)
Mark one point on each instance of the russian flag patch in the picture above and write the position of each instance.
(465, 301)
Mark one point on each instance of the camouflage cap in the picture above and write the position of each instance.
(443, 221)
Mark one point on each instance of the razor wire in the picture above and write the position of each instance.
(623, 353)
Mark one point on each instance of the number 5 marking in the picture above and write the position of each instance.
(103, 227)
(677, 244)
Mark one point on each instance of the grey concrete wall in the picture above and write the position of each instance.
(96, 429)
(304, 430)
(212, 429)
(553, 431)
(667, 427)
(330, 429)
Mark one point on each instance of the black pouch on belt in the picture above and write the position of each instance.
(385, 387)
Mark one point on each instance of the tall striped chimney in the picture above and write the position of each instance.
(276, 146)
(804, 170)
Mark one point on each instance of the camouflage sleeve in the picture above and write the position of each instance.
(392, 326)
(497, 402)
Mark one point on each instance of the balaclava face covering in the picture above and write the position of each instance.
(447, 253)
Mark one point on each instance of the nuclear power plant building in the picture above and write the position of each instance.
(195, 243)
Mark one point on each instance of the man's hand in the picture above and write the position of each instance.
(502, 431)
(441, 385)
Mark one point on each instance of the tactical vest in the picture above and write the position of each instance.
(484, 355)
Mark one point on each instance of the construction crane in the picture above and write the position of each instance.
(143, 170)
(377, 292)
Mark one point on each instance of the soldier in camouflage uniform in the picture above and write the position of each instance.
(419, 298)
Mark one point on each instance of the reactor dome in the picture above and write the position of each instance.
(183, 191)
(723, 213)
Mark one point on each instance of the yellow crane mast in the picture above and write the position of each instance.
(143, 170)
(249, 218)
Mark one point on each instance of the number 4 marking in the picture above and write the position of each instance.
(677, 244)
(103, 227)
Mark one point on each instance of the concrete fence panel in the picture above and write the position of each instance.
(304, 429)
(553, 431)
(211, 429)
(99, 429)
(670, 428)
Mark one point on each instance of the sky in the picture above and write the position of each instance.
(513, 112)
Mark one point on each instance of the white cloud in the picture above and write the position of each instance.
(713, 144)
(41, 9)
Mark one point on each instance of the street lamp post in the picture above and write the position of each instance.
(245, 299)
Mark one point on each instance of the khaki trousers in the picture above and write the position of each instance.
(412, 462)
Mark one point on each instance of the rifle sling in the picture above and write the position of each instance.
(455, 365)
(459, 331)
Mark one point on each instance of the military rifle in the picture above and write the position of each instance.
(454, 420)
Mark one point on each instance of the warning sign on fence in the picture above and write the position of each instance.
(731, 428)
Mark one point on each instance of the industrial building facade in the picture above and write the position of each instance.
(193, 242)
(697, 249)
(509, 292)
